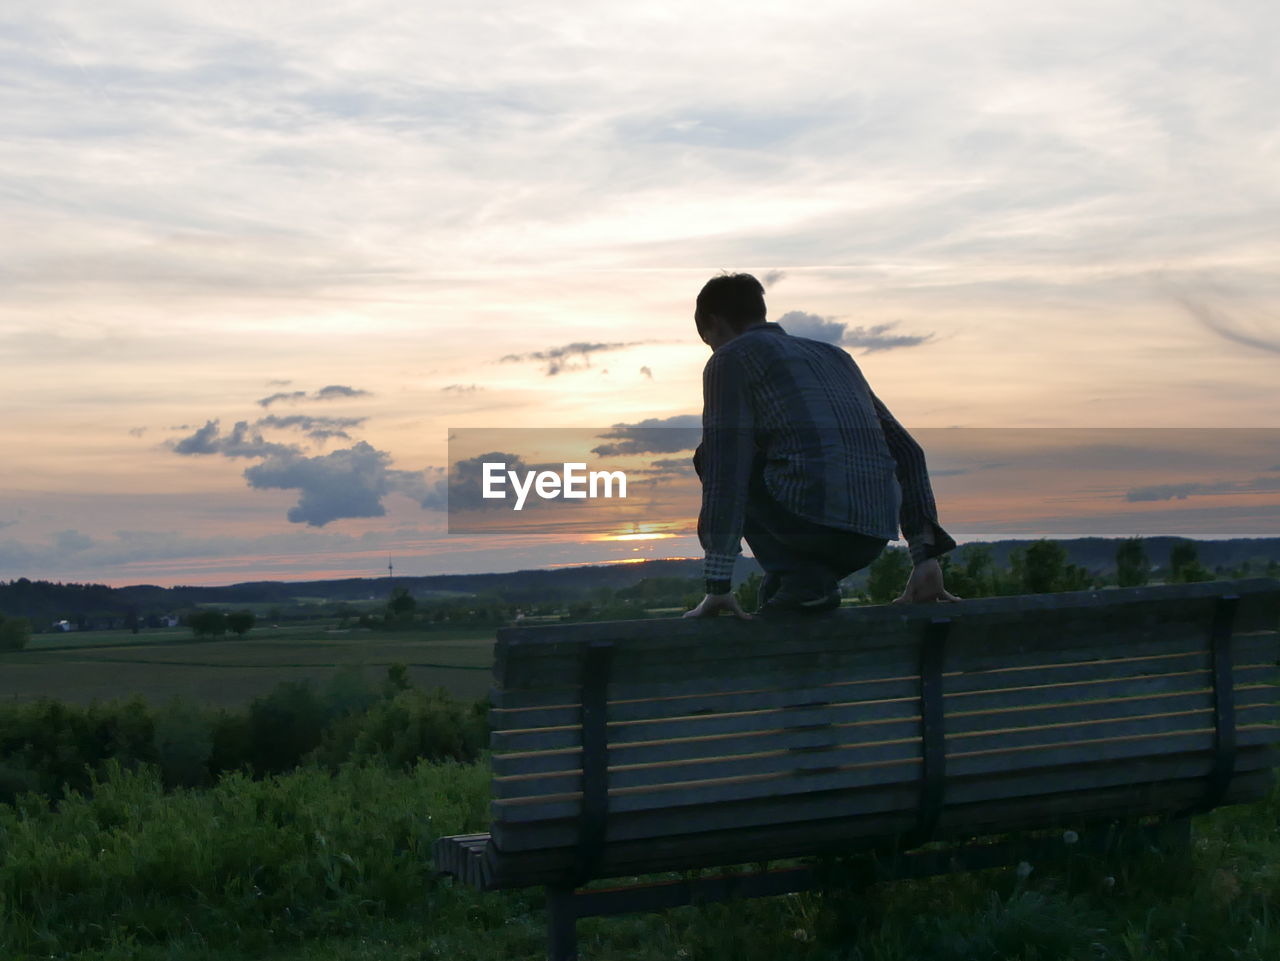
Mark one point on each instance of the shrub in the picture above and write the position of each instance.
(15, 632)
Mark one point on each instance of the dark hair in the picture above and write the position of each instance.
(738, 298)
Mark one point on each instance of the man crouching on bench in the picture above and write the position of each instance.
(803, 460)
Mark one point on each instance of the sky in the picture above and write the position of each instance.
(258, 262)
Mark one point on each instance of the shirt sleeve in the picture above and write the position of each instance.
(728, 448)
(918, 517)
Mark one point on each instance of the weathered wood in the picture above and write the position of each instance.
(666, 762)
(848, 833)
(878, 670)
(957, 702)
(990, 760)
(883, 800)
(553, 709)
(1132, 604)
(688, 748)
(990, 635)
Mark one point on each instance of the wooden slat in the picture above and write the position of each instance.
(568, 760)
(992, 760)
(1167, 602)
(705, 725)
(751, 832)
(829, 748)
(991, 633)
(872, 674)
(532, 774)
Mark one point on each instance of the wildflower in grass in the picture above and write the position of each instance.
(1070, 837)
(1108, 882)
(1024, 870)
(800, 934)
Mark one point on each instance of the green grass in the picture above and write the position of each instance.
(304, 867)
(82, 666)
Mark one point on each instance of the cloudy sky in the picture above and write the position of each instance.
(258, 263)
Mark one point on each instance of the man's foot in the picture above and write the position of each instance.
(792, 601)
(768, 587)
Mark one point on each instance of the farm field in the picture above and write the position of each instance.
(160, 664)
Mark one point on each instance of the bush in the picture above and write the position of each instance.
(52, 748)
(240, 622)
(284, 725)
(409, 726)
(208, 623)
(15, 632)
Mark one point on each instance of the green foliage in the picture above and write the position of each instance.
(1184, 564)
(888, 574)
(409, 725)
(749, 593)
(1133, 568)
(284, 725)
(208, 623)
(402, 606)
(15, 632)
(1043, 567)
(244, 863)
(48, 747)
(241, 622)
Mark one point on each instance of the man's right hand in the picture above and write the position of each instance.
(925, 584)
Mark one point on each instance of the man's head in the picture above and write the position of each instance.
(728, 305)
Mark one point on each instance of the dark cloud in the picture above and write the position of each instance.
(4, 524)
(1169, 492)
(279, 383)
(317, 428)
(812, 326)
(466, 482)
(243, 441)
(647, 372)
(345, 483)
(1225, 325)
(332, 392)
(559, 359)
(830, 331)
(772, 277)
(461, 388)
(670, 467)
(137, 431)
(875, 338)
(72, 541)
(653, 436)
(290, 395)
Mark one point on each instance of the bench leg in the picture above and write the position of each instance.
(562, 925)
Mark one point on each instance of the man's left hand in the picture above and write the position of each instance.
(714, 604)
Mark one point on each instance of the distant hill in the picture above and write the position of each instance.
(45, 602)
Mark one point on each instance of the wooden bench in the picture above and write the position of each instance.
(633, 747)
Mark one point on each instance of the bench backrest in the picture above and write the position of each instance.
(658, 744)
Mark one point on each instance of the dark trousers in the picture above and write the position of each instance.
(793, 551)
(800, 551)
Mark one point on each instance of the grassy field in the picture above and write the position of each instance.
(160, 664)
(312, 867)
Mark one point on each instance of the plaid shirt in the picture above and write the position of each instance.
(831, 451)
